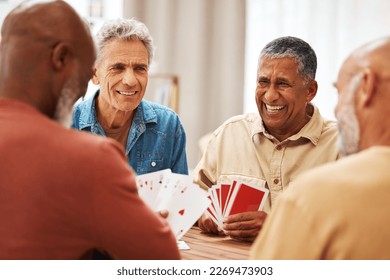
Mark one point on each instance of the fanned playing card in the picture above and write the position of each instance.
(150, 184)
(175, 182)
(230, 197)
(212, 212)
(184, 200)
(185, 208)
(246, 198)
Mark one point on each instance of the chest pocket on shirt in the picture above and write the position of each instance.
(149, 165)
(151, 154)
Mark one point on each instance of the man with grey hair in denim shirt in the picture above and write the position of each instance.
(151, 134)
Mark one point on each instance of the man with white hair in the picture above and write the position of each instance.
(151, 134)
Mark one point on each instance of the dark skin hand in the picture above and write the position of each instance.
(207, 225)
(243, 226)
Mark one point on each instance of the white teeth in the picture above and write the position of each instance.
(274, 108)
(127, 93)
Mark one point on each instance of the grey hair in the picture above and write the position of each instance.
(296, 48)
(124, 29)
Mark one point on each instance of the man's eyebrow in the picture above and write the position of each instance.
(281, 79)
(116, 63)
(141, 64)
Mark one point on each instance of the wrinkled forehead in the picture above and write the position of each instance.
(286, 65)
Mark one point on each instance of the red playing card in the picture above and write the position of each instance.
(211, 209)
(226, 191)
(218, 202)
(246, 198)
(218, 193)
(232, 188)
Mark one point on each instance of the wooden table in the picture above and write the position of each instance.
(212, 247)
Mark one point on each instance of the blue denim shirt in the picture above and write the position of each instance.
(156, 139)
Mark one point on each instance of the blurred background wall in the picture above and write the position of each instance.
(203, 42)
(213, 46)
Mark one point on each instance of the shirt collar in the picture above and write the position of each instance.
(312, 130)
(144, 114)
(88, 112)
(147, 111)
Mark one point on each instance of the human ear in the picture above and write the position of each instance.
(368, 87)
(311, 90)
(95, 78)
(60, 56)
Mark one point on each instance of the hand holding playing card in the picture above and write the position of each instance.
(175, 197)
(236, 209)
(244, 226)
(206, 224)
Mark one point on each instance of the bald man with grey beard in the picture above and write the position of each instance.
(64, 193)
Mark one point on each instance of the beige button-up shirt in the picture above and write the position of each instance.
(337, 211)
(242, 149)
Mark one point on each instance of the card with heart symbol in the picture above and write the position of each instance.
(186, 207)
(149, 185)
(184, 200)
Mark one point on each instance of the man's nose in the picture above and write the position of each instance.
(271, 94)
(129, 77)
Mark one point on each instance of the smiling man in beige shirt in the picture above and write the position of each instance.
(340, 210)
(286, 137)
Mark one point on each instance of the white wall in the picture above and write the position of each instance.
(5, 7)
(201, 41)
(332, 27)
(110, 10)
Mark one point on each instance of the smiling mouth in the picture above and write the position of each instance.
(127, 93)
(274, 109)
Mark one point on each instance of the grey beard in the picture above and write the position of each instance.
(349, 132)
(63, 113)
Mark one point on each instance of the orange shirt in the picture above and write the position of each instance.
(64, 192)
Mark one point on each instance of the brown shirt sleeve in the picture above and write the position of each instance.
(123, 225)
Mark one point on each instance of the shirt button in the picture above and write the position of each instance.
(278, 148)
(153, 163)
(276, 181)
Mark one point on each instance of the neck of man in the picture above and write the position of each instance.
(37, 97)
(383, 139)
(374, 127)
(112, 118)
(283, 134)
